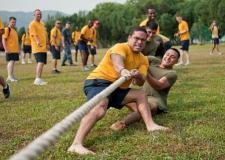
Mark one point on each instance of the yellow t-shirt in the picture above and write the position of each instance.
(55, 32)
(1, 24)
(94, 37)
(215, 32)
(86, 32)
(26, 39)
(75, 36)
(145, 22)
(12, 42)
(38, 29)
(183, 26)
(132, 60)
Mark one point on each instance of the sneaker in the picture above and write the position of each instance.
(23, 61)
(85, 68)
(219, 53)
(29, 61)
(55, 71)
(63, 64)
(40, 82)
(11, 79)
(93, 65)
(6, 91)
(210, 53)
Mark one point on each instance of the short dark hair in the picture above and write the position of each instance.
(10, 18)
(153, 25)
(177, 51)
(142, 29)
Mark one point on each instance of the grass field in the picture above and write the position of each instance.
(196, 114)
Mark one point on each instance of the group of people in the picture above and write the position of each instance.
(36, 41)
(147, 58)
(148, 61)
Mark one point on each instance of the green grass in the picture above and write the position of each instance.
(196, 115)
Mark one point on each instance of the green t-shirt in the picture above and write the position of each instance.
(158, 73)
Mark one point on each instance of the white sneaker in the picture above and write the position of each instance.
(23, 61)
(29, 61)
(219, 53)
(40, 82)
(210, 53)
(85, 68)
(11, 79)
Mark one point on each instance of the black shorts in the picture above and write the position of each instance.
(12, 57)
(26, 49)
(41, 57)
(216, 41)
(94, 86)
(83, 47)
(92, 49)
(185, 45)
(55, 52)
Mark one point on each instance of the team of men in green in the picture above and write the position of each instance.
(146, 58)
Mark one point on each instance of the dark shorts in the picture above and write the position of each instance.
(41, 57)
(27, 49)
(216, 41)
(83, 47)
(95, 86)
(12, 57)
(185, 45)
(55, 52)
(92, 49)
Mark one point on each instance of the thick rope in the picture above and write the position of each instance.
(40, 144)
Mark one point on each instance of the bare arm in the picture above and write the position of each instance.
(4, 44)
(118, 64)
(157, 84)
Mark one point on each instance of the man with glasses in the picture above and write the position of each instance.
(55, 41)
(123, 59)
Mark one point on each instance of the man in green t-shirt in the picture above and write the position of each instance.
(159, 80)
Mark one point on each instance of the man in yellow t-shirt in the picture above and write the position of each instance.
(92, 46)
(183, 34)
(1, 32)
(55, 41)
(123, 59)
(85, 37)
(151, 14)
(214, 28)
(11, 45)
(5, 86)
(26, 43)
(39, 45)
(75, 38)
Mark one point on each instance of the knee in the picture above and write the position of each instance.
(100, 110)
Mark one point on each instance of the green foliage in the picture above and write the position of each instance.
(20, 32)
(117, 19)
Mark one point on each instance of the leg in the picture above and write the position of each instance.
(139, 97)
(64, 57)
(39, 69)
(86, 124)
(10, 68)
(134, 116)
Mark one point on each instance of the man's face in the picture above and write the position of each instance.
(12, 23)
(37, 15)
(179, 19)
(151, 14)
(169, 59)
(137, 40)
(151, 33)
(58, 24)
(96, 24)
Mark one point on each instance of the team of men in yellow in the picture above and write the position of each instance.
(123, 59)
